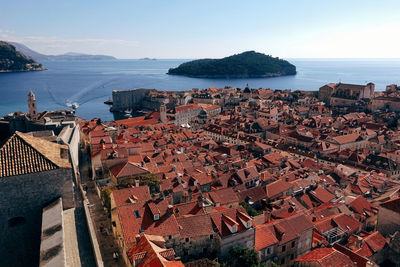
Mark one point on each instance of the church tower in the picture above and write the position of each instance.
(163, 113)
(32, 105)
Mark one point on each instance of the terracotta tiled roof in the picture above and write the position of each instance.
(322, 194)
(254, 194)
(138, 194)
(346, 222)
(358, 260)
(147, 253)
(187, 107)
(136, 218)
(137, 121)
(223, 196)
(324, 225)
(229, 216)
(247, 174)
(127, 169)
(24, 154)
(275, 188)
(361, 206)
(375, 241)
(189, 208)
(195, 226)
(264, 238)
(326, 257)
(349, 138)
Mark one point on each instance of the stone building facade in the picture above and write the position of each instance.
(33, 173)
(345, 94)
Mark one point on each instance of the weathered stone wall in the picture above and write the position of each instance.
(129, 99)
(24, 197)
(388, 221)
(242, 239)
(198, 247)
(304, 243)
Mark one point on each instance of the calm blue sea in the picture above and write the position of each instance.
(90, 83)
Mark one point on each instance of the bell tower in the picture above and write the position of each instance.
(163, 113)
(32, 105)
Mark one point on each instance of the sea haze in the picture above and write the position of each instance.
(90, 83)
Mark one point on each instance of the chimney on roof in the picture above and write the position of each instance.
(359, 242)
(137, 237)
(137, 183)
(170, 210)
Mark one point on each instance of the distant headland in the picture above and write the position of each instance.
(67, 56)
(147, 58)
(248, 64)
(12, 60)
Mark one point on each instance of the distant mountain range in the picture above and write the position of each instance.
(67, 56)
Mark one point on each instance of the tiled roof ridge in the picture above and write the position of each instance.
(332, 251)
(60, 164)
(35, 156)
(22, 136)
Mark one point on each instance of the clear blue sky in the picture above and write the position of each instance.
(196, 29)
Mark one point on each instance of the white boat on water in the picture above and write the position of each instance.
(73, 105)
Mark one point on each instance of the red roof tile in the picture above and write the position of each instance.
(223, 196)
(346, 223)
(195, 226)
(254, 194)
(227, 215)
(146, 253)
(264, 238)
(135, 218)
(127, 169)
(322, 194)
(375, 241)
(326, 257)
(123, 196)
(275, 188)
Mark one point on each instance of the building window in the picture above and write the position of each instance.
(211, 236)
(283, 261)
(187, 239)
(292, 257)
(268, 250)
(170, 237)
(283, 248)
(204, 250)
(293, 244)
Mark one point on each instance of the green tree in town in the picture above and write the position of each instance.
(243, 257)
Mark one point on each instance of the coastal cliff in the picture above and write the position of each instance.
(249, 64)
(13, 61)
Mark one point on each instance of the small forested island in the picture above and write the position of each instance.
(12, 61)
(248, 64)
